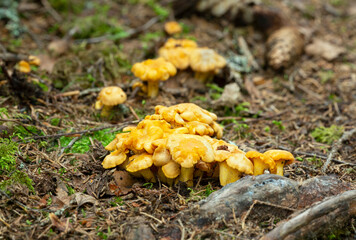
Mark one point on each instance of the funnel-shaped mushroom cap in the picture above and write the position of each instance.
(186, 112)
(184, 43)
(111, 96)
(171, 169)
(262, 158)
(114, 159)
(206, 60)
(222, 149)
(280, 155)
(33, 60)
(179, 56)
(139, 162)
(146, 132)
(172, 27)
(188, 149)
(153, 70)
(240, 162)
(161, 155)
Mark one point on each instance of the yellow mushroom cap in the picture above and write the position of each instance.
(171, 169)
(172, 27)
(24, 66)
(186, 112)
(206, 60)
(280, 155)
(111, 96)
(139, 162)
(161, 155)
(33, 60)
(154, 70)
(187, 149)
(254, 155)
(146, 132)
(185, 43)
(224, 150)
(179, 56)
(240, 162)
(114, 159)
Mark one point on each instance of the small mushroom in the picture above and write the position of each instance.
(281, 158)
(232, 169)
(108, 98)
(33, 60)
(261, 162)
(206, 63)
(115, 158)
(171, 170)
(172, 27)
(184, 43)
(24, 66)
(177, 52)
(141, 163)
(232, 161)
(153, 71)
(187, 150)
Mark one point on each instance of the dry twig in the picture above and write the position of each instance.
(315, 219)
(336, 146)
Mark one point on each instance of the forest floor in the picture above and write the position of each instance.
(49, 115)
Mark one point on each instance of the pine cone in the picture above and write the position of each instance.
(284, 46)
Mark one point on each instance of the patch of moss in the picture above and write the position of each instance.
(8, 169)
(327, 134)
(97, 24)
(83, 144)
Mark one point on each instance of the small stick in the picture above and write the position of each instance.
(244, 47)
(70, 144)
(5, 223)
(51, 11)
(121, 126)
(183, 229)
(331, 211)
(336, 146)
(150, 216)
(67, 94)
(262, 203)
(134, 113)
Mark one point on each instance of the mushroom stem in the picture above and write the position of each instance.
(259, 167)
(105, 112)
(98, 105)
(161, 176)
(152, 89)
(204, 77)
(280, 165)
(228, 174)
(148, 175)
(186, 175)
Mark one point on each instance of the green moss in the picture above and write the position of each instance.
(8, 169)
(68, 6)
(327, 134)
(83, 144)
(97, 25)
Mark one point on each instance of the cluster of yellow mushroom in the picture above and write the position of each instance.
(180, 142)
(178, 54)
(25, 66)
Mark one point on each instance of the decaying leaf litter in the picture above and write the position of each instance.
(49, 113)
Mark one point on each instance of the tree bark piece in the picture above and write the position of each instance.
(331, 213)
(236, 198)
